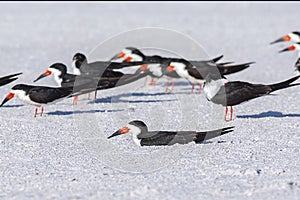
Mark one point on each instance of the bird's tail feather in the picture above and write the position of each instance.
(201, 136)
(229, 69)
(284, 84)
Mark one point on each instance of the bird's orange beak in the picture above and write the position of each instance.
(171, 68)
(46, 73)
(290, 48)
(286, 38)
(121, 55)
(7, 98)
(121, 131)
(124, 130)
(282, 39)
(144, 67)
(128, 59)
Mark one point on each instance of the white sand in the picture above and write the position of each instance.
(56, 156)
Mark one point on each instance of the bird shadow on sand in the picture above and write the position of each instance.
(268, 114)
(58, 112)
(13, 106)
(118, 98)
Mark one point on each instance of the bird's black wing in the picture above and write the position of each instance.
(194, 72)
(236, 92)
(230, 69)
(7, 79)
(202, 136)
(46, 95)
(158, 138)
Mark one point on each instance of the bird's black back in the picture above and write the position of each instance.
(236, 92)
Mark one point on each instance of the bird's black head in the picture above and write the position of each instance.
(79, 57)
(136, 51)
(296, 33)
(126, 129)
(60, 67)
(21, 87)
(139, 124)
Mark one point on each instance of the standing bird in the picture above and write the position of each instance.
(8, 79)
(64, 79)
(157, 71)
(294, 47)
(143, 137)
(195, 72)
(83, 83)
(37, 95)
(220, 91)
(153, 64)
(292, 36)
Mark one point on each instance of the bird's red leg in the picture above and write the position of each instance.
(145, 82)
(95, 97)
(231, 111)
(89, 96)
(193, 86)
(226, 111)
(200, 88)
(173, 83)
(36, 109)
(167, 86)
(42, 111)
(75, 100)
(152, 82)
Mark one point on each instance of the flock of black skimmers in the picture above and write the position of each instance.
(209, 74)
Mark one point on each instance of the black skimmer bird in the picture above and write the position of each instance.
(195, 72)
(158, 70)
(153, 64)
(143, 137)
(293, 37)
(83, 83)
(37, 95)
(294, 47)
(64, 79)
(8, 79)
(99, 68)
(109, 79)
(220, 91)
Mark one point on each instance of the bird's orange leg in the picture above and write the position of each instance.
(231, 112)
(193, 86)
(145, 82)
(167, 86)
(42, 111)
(75, 100)
(225, 116)
(95, 97)
(36, 110)
(153, 82)
(173, 83)
(200, 89)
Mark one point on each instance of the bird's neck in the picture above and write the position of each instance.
(212, 87)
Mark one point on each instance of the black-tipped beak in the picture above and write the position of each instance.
(115, 57)
(114, 134)
(7, 98)
(278, 40)
(46, 73)
(290, 48)
(283, 50)
(118, 56)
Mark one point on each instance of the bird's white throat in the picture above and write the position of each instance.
(135, 131)
(212, 87)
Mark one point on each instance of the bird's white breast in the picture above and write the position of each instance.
(76, 70)
(25, 98)
(212, 87)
